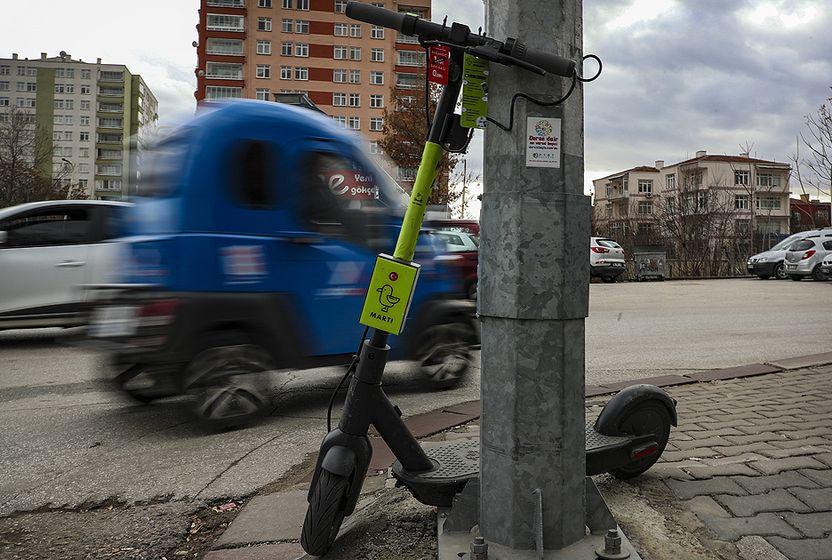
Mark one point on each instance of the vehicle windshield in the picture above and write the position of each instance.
(802, 245)
(161, 169)
(609, 243)
(475, 239)
(784, 245)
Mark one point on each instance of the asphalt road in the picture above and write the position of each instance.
(68, 442)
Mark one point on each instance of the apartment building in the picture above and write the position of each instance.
(747, 190)
(97, 117)
(255, 48)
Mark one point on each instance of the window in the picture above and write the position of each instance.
(286, 48)
(264, 71)
(262, 94)
(264, 3)
(355, 100)
(301, 73)
(339, 99)
(287, 4)
(4, 86)
(376, 124)
(215, 93)
(301, 49)
(5, 69)
(340, 53)
(224, 71)
(377, 55)
(410, 58)
(645, 207)
(286, 25)
(767, 203)
(340, 120)
(741, 202)
(84, 136)
(375, 149)
(251, 175)
(671, 181)
(108, 184)
(85, 90)
(224, 46)
(64, 104)
(86, 74)
(701, 201)
(111, 76)
(5, 102)
(740, 177)
(25, 103)
(303, 5)
(355, 76)
(222, 22)
(110, 122)
(645, 185)
(768, 180)
(340, 30)
(301, 26)
(355, 30)
(339, 76)
(354, 123)
(355, 53)
(49, 227)
(264, 24)
(377, 78)
(30, 87)
(407, 81)
(64, 88)
(376, 32)
(340, 6)
(264, 47)
(376, 101)
(285, 72)
(84, 168)
(85, 120)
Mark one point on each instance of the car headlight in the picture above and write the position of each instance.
(762, 259)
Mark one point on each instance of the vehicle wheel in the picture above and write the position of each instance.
(647, 417)
(796, 277)
(445, 354)
(780, 272)
(608, 279)
(139, 385)
(818, 275)
(225, 384)
(472, 291)
(324, 514)
(764, 276)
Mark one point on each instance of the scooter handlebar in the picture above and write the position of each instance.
(549, 62)
(376, 16)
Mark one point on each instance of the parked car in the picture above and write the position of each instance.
(805, 257)
(606, 259)
(826, 265)
(466, 226)
(250, 249)
(47, 251)
(771, 263)
(465, 247)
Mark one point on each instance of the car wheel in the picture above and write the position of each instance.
(818, 275)
(225, 384)
(796, 277)
(143, 387)
(764, 276)
(780, 271)
(445, 354)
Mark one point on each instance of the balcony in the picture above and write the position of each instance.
(110, 108)
(221, 22)
(108, 76)
(220, 71)
(108, 170)
(111, 92)
(618, 194)
(227, 3)
(224, 47)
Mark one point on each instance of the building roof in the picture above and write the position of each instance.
(640, 168)
(727, 159)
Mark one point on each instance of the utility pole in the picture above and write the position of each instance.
(464, 187)
(533, 295)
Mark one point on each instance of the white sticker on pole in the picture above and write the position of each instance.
(542, 142)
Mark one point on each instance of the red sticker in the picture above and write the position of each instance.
(439, 58)
(393, 276)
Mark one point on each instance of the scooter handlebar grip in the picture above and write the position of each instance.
(375, 15)
(551, 63)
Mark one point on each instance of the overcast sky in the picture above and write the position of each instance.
(679, 75)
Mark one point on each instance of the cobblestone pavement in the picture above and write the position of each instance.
(752, 460)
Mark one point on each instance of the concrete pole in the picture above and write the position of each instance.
(533, 295)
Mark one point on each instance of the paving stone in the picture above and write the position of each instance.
(757, 548)
(759, 484)
(825, 458)
(280, 551)
(789, 443)
(703, 442)
(763, 524)
(699, 452)
(270, 518)
(687, 489)
(705, 506)
(824, 477)
(748, 428)
(805, 434)
(818, 498)
(774, 466)
(710, 471)
(776, 500)
(730, 451)
(744, 458)
(659, 381)
(724, 431)
(795, 452)
(803, 361)
(768, 437)
(814, 525)
(804, 549)
(735, 372)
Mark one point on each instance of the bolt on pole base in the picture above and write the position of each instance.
(459, 538)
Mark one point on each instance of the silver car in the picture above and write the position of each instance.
(804, 257)
(772, 262)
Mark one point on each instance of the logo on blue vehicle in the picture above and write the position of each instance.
(243, 262)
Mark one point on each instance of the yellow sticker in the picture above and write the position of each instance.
(390, 293)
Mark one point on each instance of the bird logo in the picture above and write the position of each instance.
(386, 297)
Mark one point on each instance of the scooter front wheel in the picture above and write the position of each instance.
(325, 513)
(647, 417)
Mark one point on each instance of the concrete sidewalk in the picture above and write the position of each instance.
(747, 475)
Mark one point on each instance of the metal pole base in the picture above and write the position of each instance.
(458, 526)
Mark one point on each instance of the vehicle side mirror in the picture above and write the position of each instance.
(4, 236)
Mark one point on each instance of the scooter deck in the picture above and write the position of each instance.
(458, 462)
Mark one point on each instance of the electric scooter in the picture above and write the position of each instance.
(629, 435)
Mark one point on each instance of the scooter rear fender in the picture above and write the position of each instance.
(620, 403)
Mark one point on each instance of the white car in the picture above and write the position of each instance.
(772, 262)
(606, 259)
(47, 251)
(805, 257)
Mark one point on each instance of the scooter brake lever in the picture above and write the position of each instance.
(492, 54)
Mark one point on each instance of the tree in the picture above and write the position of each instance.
(26, 169)
(814, 170)
(405, 131)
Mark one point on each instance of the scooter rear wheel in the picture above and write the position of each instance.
(647, 417)
(325, 514)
